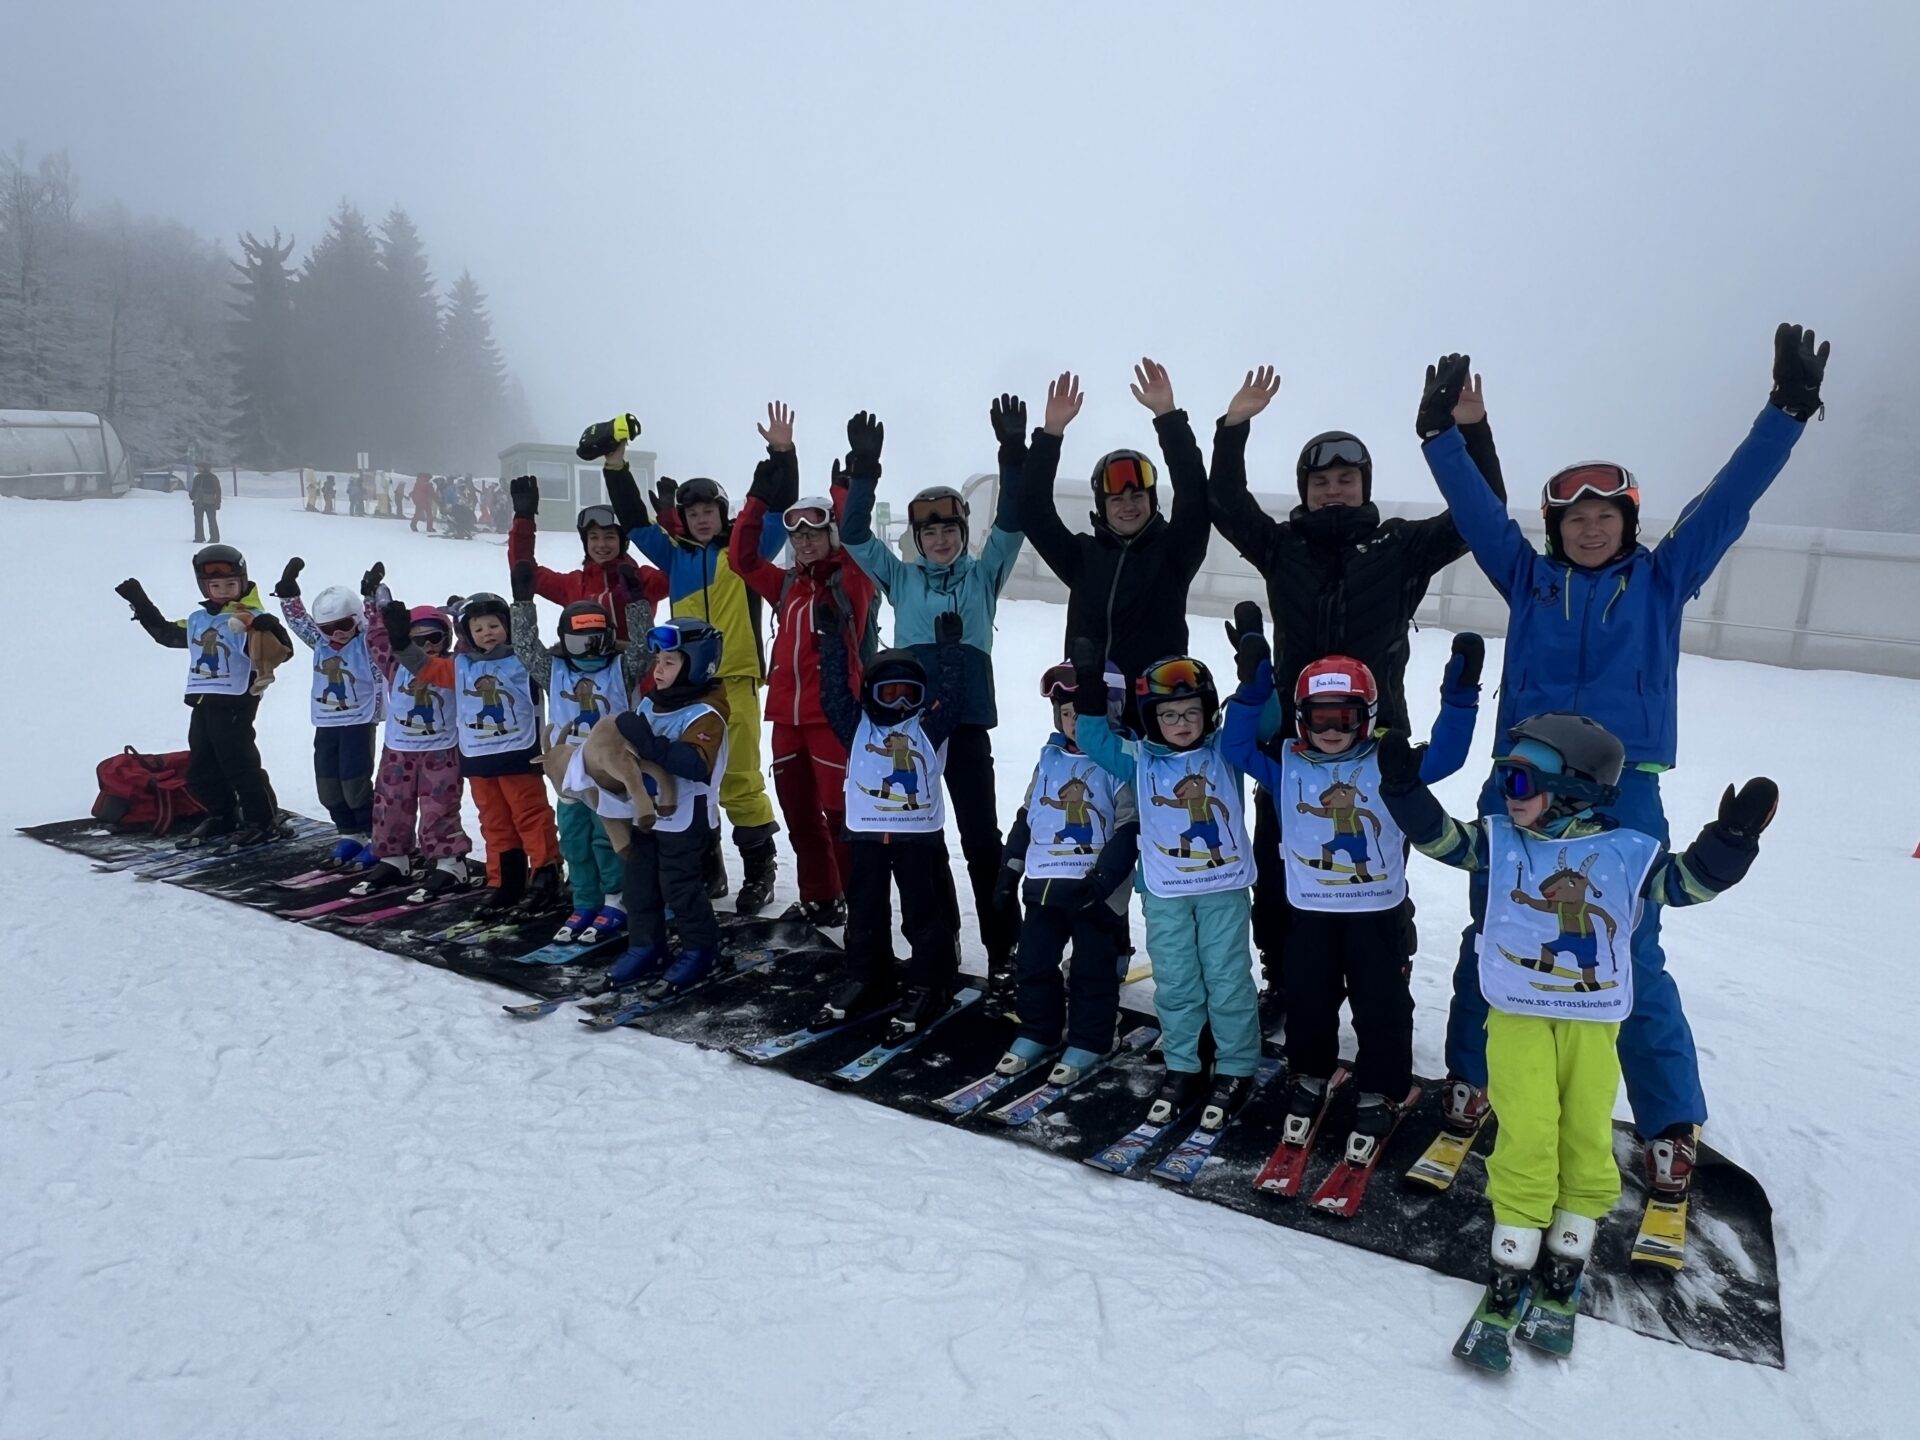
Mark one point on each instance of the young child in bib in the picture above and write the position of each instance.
(1075, 840)
(232, 651)
(680, 726)
(1196, 871)
(1344, 861)
(497, 719)
(344, 705)
(896, 729)
(1567, 885)
(417, 790)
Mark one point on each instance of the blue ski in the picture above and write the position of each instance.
(1187, 1159)
(775, 1046)
(568, 952)
(864, 1065)
(1130, 1149)
(643, 1003)
(1547, 1323)
(1487, 1342)
(1019, 1112)
(538, 1008)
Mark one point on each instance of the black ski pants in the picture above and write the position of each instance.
(225, 773)
(1362, 956)
(929, 910)
(1273, 912)
(1086, 1002)
(969, 777)
(665, 869)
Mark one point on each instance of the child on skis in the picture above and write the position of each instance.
(809, 762)
(895, 728)
(233, 649)
(344, 707)
(1196, 867)
(496, 711)
(702, 584)
(417, 792)
(680, 726)
(589, 676)
(1569, 884)
(1345, 869)
(1074, 843)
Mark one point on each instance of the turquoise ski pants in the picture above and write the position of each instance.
(1203, 972)
(593, 870)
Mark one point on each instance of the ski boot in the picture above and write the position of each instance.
(259, 832)
(571, 927)
(543, 890)
(1176, 1096)
(345, 854)
(1569, 1243)
(920, 1007)
(1021, 1057)
(640, 964)
(1230, 1095)
(609, 922)
(512, 888)
(1373, 1120)
(1669, 1159)
(1073, 1065)
(443, 877)
(759, 857)
(853, 998)
(714, 870)
(1463, 1106)
(384, 875)
(1305, 1095)
(1516, 1249)
(1003, 987)
(209, 830)
(826, 914)
(1273, 1008)
(688, 969)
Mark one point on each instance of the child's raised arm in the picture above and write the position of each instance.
(287, 592)
(1419, 815)
(1446, 751)
(1722, 853)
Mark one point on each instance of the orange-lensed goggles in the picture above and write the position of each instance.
(1179, 676)
(1597, 478)
(1126, 472)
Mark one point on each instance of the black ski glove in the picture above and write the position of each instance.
(1444, 382)
(288, 587)
(1745, 814)
(133, 592)
(1399, 763)
(664, 494)
(524, 491)
(601, 440)
(827, 618)
(948, 628)
(865, 436)
(1009, 416)
(766, 484)
(1798, 369)
(1246, 634)
(521, 581)
(635, 730)
(1089, 678)
(1463, 669)
(399, 624)
(371, 581)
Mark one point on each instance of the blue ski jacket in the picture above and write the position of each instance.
(1606, 642)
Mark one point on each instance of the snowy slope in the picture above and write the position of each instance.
(257, 1181)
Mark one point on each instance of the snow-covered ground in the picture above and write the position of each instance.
(257, 1181)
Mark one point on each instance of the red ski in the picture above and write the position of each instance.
(1346, 1184)
(1287, 1167)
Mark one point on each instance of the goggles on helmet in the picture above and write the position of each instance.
(1181, 675)
(664, 637)
(601, 517)
(428, 635)
(1123, 473)
(898, 695)
(935, 510)
(806, 517)
(1342, 717)
(1595, 478)
(220, 570)
(1329, 453)
(342, 626)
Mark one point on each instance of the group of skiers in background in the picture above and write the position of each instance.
(458, 504)
(1561, 982)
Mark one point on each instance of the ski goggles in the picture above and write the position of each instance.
(221, 570)
(1339, 717)
(1594, 478)
(1329, 453)
(898, 694)
(435, 638)
(1182, 675)
(598, 517)
(345, 625)
(664, 637)
(807, 515)
(940, 510)
(1123, 473)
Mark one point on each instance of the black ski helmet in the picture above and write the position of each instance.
(699, 643)
(482, 602)
(586, 631)
(1625, 499)
(599, 517)
(1328, 449)
(1176, 677)
(1135, 466)
(219, 562)
(892, 667)
(700, 490)
(1591, 759)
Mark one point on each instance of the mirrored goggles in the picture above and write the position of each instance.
(1181, 675)
(1520, 781)
(898, 694)
(1598, 478)
(220, 570)
(1329, 453)
(1335, 717)
(664, 637)
(600, 517)
(425, 638)
(1126, 472)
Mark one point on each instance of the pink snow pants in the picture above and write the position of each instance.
(422, 783)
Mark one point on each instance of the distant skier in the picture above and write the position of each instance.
(203, 491)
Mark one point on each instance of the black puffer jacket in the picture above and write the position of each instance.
(1127, 596)
(1340, 581)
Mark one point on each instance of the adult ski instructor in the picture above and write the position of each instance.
(1340, 580)
(1593, 625)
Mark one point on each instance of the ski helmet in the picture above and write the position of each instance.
(599, 517)
(893, 687)
(483, 602)
(219, 562)
(1331, 448)
(334, 604)
(1178, 677)
(586, 631)
(1059, 683)
(1572, 758)
(939, 505)
(702, 491)
(1121, 470)
(1336, 693)
(1598, 478)
(698, 641)
(812, 512)
(432, 620)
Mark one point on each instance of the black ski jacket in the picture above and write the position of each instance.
(1127, 596)
(1340, 581)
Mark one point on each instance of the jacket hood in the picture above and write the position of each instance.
(1336, 524)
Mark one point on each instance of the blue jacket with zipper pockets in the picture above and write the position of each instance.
(1606, 642)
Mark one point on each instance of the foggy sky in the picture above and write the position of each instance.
(690, 209)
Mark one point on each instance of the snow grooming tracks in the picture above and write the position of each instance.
(1724, 1301)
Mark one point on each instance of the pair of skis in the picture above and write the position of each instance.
(972, 1099)
(1537, 1320)
(1342, 1189)
(612, 1009)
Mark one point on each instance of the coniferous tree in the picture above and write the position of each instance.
(262, 334)
(475, 379)
(338, 332)
(409, 352)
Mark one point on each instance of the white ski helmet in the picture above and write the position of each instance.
(336, 602)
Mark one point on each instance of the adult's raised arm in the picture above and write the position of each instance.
(1056, 545)
(868, 550)
(1498, 545)
(1435, 543)
(1232, 508)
